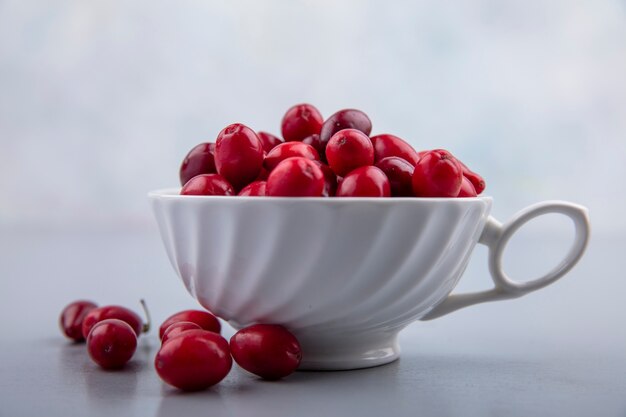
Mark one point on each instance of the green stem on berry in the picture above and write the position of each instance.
(146, 327)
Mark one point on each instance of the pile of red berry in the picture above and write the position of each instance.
(322, 158)
(111, 331)
(193, 354)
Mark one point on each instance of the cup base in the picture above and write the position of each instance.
(341, 352)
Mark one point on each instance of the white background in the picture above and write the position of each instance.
(101, 100)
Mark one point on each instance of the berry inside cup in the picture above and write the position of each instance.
(352, 162)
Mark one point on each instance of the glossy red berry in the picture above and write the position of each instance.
(204, 319)
(207, 184)
(349, 149)
(301, 121)
(111, 343)
(269, 141)
(467, 189)
(389, 145)
(199, 160)
(254, 189)
(238, 155)
(315, 141)
(345, 119)
(296, 177)
(194, 360)
(267, 350)
(289, 150)
(400, 175)
(437, 174)
(366, 181)
(72, 316)
(330, 180)
(113, 312)
(477, 181)
(177, 328)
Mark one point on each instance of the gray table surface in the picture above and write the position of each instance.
(558, 352)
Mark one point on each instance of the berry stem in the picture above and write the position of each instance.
(146, 327)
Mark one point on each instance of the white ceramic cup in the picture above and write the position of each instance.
(345, 275)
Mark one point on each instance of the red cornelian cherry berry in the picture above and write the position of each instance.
(177, 328)
(330, 180)
(267, 350)
(111, 343)
(269, 141)
(116, 312)
(207, 184)
(194, 360)
(199, 160)
(72, 316)
(400, 175)
(437, 174)
(345, 119)
(204, 319)
(349, 149)
(467, 189)
(477, 181)
(315, 141)
(289, 150)
(389, 145)
(296, 177)
(254, 189)
(301, 121)
(366, 181)
(238, 155)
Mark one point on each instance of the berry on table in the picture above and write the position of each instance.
(204, 319)
(117, 312)
(194, 360)
(267, 350)
(111, 343)
(72, 316)
(177, 328)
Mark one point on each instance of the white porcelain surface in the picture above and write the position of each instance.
(345, 275)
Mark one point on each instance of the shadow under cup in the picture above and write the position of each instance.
(344, 275)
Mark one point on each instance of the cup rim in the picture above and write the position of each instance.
(174, 194)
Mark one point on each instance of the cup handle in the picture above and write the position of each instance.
(496, 236)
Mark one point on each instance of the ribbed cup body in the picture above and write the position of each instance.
(341, 273)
